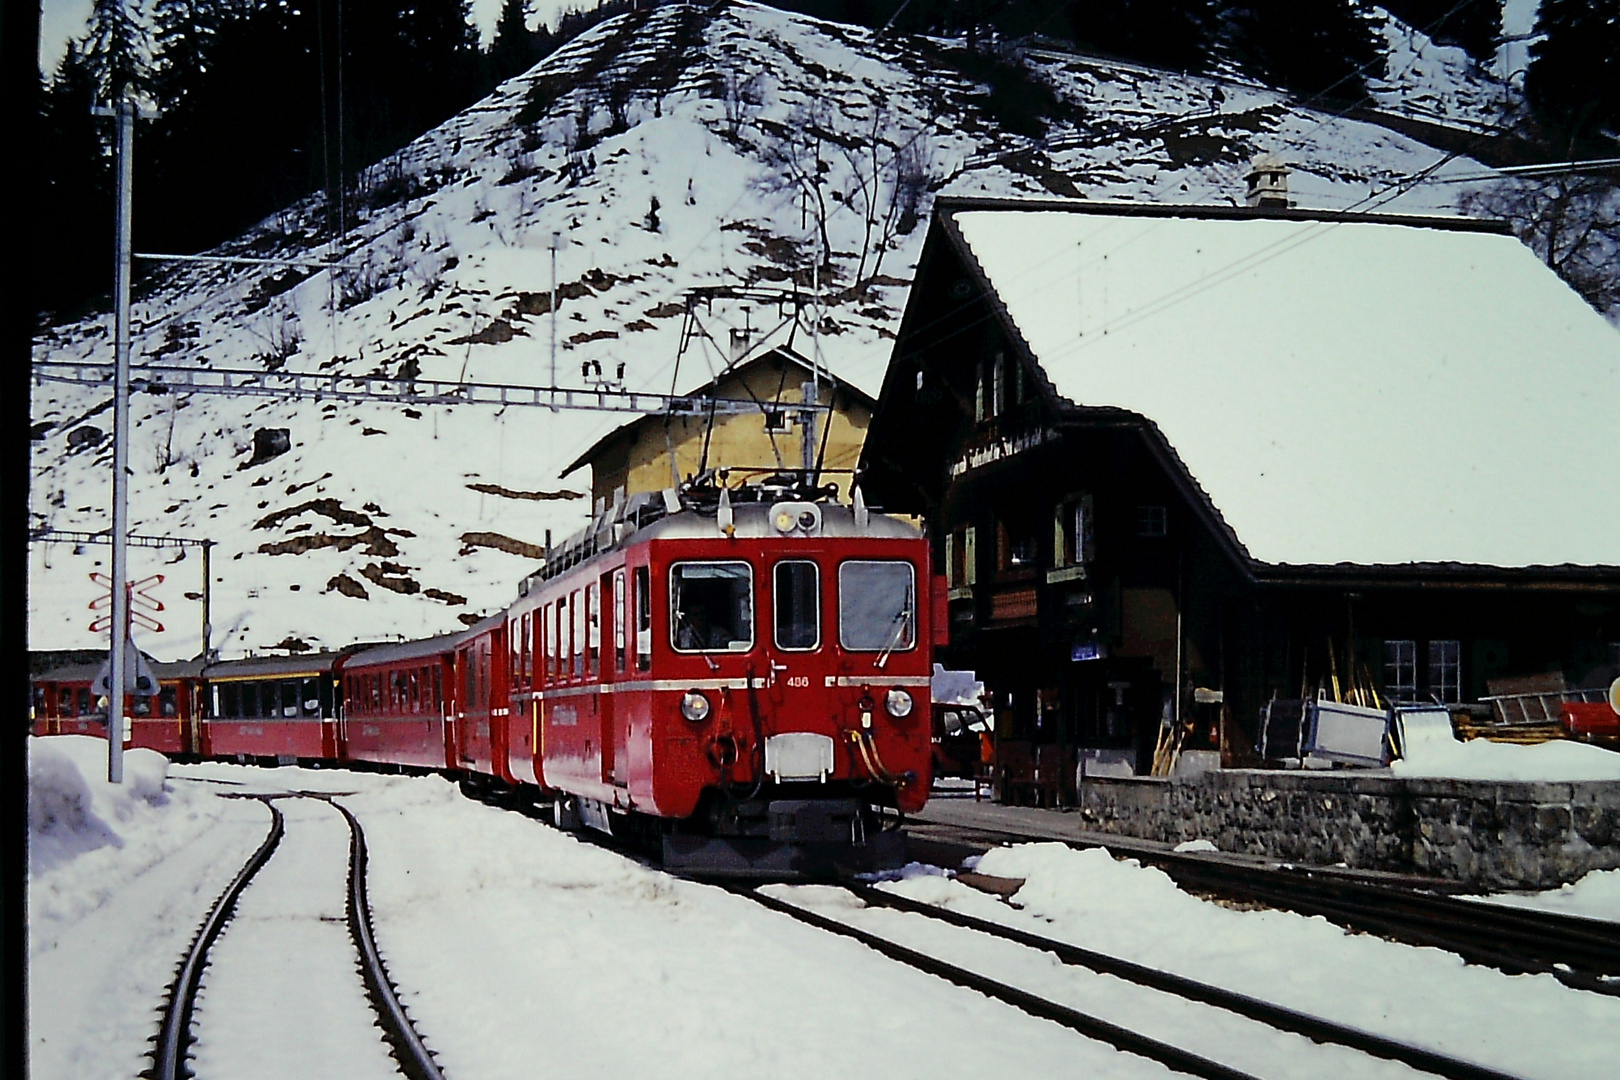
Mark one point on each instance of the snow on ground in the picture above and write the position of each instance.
(1595, 896)
(1423, 996)
(1561, 760)
(119, 879)
(520, 950)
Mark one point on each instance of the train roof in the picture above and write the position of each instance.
(405, 650)
(85, 672)
(693, 512)
(272, 667)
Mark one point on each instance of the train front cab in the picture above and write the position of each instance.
(273, 709)
(758, 691)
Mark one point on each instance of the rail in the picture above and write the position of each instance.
(1276, 1016)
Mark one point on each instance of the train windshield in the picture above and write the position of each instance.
(712, 606)
(798, 603)
(877, 609)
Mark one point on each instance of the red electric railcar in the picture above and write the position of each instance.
(743, 673)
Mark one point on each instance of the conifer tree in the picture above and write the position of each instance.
(116, 50)
(182, 34)
(514, 49)
(1323, 47)
(1573, 82)
(76, 189)
(1167, 33)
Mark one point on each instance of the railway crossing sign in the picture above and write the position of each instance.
(138, 677)
(139, 603)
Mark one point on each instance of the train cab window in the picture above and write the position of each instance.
(438, 691)
(290, 698)
(311, 702)
(64, 701)
(643, 619)
(143, 706)
(620, 629)
(797, 598)
(877, 608)
(87, 703)
(169, 702)
(712, 606)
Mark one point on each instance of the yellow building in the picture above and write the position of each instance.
(659, 451)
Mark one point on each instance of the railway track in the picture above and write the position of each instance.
(1579, 952)
(1178, 1058)
(176, 1039)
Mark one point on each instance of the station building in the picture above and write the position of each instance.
(660, 450)
(1178, 462)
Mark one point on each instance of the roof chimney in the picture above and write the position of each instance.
(1268, 183)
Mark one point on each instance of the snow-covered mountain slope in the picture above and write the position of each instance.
(667, 149)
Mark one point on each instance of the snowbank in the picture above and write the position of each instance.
(71, 806)
(1481, 759)
(1595, 896)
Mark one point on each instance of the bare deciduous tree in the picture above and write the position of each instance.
(1572, 222)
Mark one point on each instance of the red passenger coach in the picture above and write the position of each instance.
(66, 704)
(744, 673)
(396, 704)
(281, 708)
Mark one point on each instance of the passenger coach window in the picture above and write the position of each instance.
(620, 630)
(877, 610)
(798, 605)
(578, 611)
(643, 619)
(712, 606)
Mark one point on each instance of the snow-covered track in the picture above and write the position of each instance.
(174, 1033)
(414, 1058)
(176, 1038)
(1094, 1027)
(1581, 953)
(1277, 1016)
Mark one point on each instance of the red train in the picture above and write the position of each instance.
(737, 676)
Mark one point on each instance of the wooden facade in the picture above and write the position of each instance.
(1098, 592)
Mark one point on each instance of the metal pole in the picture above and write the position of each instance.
(555, 238)
(207, 599)
(118, 660)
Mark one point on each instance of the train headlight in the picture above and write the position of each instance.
(694, 706)
(898, 703)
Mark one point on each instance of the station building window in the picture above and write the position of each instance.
(1152, 521)
(1073, 532)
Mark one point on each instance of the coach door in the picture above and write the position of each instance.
(615, 668)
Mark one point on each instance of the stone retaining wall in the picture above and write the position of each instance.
(1495, 834)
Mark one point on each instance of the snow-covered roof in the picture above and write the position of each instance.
(1371, 391)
